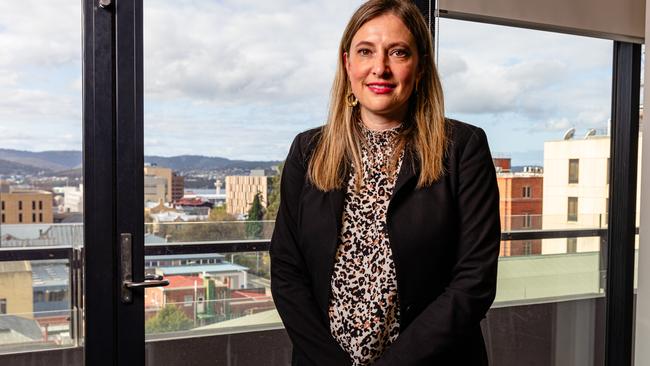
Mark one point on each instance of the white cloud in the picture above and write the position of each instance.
(535, 80)
(239, 78)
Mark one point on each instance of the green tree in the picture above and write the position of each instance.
(274, 196)
(255, 215)
(169, 319)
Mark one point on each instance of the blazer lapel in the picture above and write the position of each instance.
(337, 198)
(408, 170)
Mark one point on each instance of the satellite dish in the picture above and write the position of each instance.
(591, 132)
(568, 135)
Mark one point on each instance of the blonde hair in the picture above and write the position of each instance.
(423, 130)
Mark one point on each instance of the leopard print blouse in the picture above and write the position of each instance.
(364, 306)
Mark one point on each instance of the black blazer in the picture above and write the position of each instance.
(445, 243)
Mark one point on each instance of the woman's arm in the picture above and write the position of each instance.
(457, 312)
(290, 282)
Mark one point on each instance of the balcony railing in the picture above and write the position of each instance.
(229, 288)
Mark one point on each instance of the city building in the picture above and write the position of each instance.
(155, 189)
(193, 206)
(520, 205)
(71, 199)
(162, 183)
(16, 297)
(576, 189)
(241, 190)
(215, 196)
(23, 206)
(178, 186)
(231, 275)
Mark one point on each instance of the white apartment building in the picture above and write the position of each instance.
(576, 190)
(72, 200)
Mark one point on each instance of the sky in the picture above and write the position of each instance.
(240, 78)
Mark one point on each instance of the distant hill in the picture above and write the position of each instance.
(68, 163)
(198, 162)
(13, 168)
(43, 160)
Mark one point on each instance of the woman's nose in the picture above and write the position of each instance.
(380, 66)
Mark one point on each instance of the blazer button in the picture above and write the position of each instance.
(408, 308)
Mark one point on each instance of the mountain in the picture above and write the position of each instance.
(12, 168)
(68, 163)
(198, 162)
(43, 160)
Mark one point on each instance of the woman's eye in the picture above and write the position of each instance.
(364, 52)
(400, 53)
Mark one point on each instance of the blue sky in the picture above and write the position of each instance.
(239, 78)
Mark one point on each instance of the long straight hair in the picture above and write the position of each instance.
(424, 129)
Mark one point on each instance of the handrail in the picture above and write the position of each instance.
(258, 245)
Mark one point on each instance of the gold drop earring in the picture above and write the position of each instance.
(352, 100)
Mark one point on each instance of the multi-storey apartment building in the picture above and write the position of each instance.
(576, 189)
(23, 206)
(241, 190)
(520, 205)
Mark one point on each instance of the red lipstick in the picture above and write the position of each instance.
(381, 88)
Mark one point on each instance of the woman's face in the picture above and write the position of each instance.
(382, 66)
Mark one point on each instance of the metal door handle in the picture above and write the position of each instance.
(150, 280)
(146, 283)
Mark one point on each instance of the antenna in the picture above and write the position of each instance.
(568, 135)
(591, 132)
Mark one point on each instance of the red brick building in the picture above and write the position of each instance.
(520, 205)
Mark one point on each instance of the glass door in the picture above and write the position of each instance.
(227, 86)
(41, 180)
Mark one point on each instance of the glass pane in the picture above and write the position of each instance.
(544, 101)
(41, 188)
(228, 85)
(209, 294)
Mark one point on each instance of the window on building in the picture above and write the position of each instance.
(527, 220)
(40, 205)
(3, 306)
(528, 247)
(56, 295)
(20, 217)
(526, 191)
(40, 217)
(571, 245)
(572, 210)
(20, 205)
(33, 205)
(187, 300)
(3, 205)
(3, 218)
(33, 217)
(573, 170)
(39, 296)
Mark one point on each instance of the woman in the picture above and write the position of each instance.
(386, 242)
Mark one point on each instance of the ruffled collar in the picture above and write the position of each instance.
(380, 136)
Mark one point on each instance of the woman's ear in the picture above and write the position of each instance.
(346, 63)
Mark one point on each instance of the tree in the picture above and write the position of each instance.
(255, 215)
(274, 195)
(169, 319)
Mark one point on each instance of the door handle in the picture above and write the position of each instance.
(150, 280)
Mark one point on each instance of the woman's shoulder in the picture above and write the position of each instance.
(462, 136)
(458, 131)
(304, 144)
